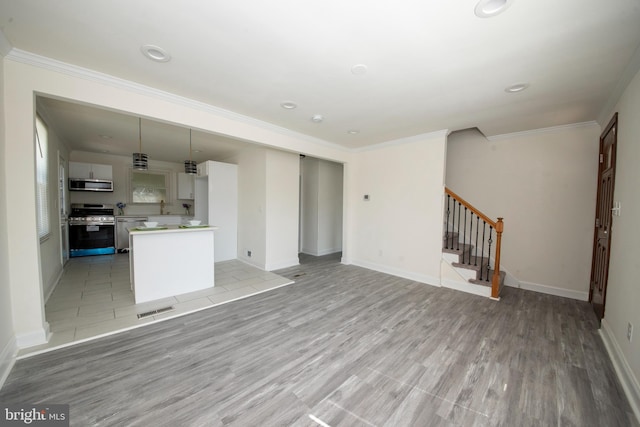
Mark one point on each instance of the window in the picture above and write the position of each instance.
(42, 183)
(149, 186)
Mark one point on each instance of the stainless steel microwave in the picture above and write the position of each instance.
(85, 184)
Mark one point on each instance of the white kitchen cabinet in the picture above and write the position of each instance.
(90, 171)
(216, 203)
(202, 169)
(186, 186)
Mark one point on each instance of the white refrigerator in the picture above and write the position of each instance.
(216, 203)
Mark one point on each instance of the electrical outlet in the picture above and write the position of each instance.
(629, 331)
(249, 254)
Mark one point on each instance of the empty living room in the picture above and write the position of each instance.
(339, 214)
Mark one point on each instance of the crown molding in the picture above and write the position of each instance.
(408, 140)
(542, 130)
(50, 64)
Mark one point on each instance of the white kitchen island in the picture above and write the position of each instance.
(171, 260)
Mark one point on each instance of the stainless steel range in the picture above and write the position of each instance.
(91, 229)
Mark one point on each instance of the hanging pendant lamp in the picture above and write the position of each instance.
(140, 159)
(190, 166)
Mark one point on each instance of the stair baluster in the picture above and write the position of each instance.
(484, 231)
(475, 259)
(464, 225)
(446, 235)
(458, 241)
(464, 235)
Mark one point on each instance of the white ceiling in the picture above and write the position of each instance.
(431, 65)
(97, 130)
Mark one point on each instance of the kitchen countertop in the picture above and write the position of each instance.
(172, 229)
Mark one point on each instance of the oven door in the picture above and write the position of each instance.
(89, 239)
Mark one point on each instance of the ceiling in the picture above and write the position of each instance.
(97, 130)
(425, 65)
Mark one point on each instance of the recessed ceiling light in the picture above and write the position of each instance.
(317, 118)
(288, 105)
(155, 53)
(105, 136)
(518, 87)
(489, 8)
(359, 69)
(353, 132)
(197, 151)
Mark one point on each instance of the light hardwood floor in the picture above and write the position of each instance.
(343, 346)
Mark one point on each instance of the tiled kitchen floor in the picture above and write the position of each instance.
(94, 298)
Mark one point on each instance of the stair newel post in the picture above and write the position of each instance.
(495, 280)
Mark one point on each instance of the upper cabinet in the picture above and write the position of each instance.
(90, 171)
(203, 169)
(185, 186)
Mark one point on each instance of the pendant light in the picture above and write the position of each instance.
(189, 165)
(140, 159)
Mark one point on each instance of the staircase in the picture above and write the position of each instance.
(471, 246)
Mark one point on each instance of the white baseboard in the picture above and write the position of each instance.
(53, 287)
(470, 288)
(623, 370)
(551, 290)
(322, 252)
(33, 338)
(7, 359)
(282, 264)
(273, 266)
(250, 262)
(422, 278)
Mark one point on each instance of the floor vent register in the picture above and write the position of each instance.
(154, 312)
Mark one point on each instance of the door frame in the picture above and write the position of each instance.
(63, 208)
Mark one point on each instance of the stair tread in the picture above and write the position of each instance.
(457, 249)
(470, 261)
(472, 264)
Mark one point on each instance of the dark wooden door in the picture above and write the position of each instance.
(604, 206)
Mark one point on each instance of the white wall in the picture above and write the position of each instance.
(268, 207)
(399, 230)
(544, 185)
(623, 289)
(309, 170)
(282, 198)
(321, 207)
(252, 205)
(7, 340)
(330, 196)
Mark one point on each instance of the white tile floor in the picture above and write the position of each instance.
(94, 298)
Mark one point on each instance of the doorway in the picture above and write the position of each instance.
(604, 216)
(321, 206)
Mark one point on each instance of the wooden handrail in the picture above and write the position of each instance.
(488, 220)
(499, 227)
